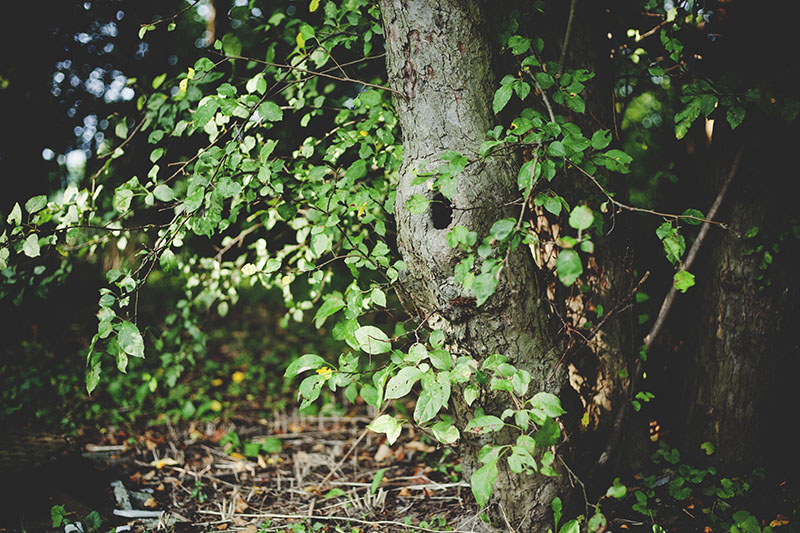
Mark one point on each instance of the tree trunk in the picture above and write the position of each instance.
(738, 378)
(439, 58)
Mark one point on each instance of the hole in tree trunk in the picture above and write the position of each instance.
(441, 211)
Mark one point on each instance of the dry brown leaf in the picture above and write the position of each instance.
(240, 505)
(150, 503)
(383, 453)
(418, 446)
(404, 493)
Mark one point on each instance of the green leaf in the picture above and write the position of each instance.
(130, 340)
(597, 522)
(163, 192)
(502, 228)
(145, 29)
(601, 139)
(310, 388)
(434, 396)
(696, 214)
(485, 424)
(389, 425)
(545, 80)
(30, 246)
(15, 216)
(437, 338)
(445, 432)
(205, 113)
(735, 116)
(158, 80)
(372, 340)
(556, 149)
(417, 204)
(557, 507)
(330, 306)
(683, 280)
(482, 482)
(483, 286)
(501, 98)
(568, 266)
(356, 171)
(402, 382)
(548, 403)
(231, 45)
(581, 217)
(707, 447)
(573, 526)
(520, 460)
(57, 515)
(36, 204)
(122, 200)
(470, 394)
(303, 363)
(441, 359)
(616, 490)
(270, 111)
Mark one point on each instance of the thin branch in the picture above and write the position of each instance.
(567, 33)
(627, 207)
(690, 257)
(616, 428)
(319, 74)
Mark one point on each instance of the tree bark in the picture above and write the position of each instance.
(439, 58)
(737, 385)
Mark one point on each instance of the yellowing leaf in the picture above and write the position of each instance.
(215, 406)
(301, 42)
(183, 84)
(238, 376)
(237, 455)
(313, 6)
(161, 463)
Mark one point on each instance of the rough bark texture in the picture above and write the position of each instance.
(738, 386)
(439, 58)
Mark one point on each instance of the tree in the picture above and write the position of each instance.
(498, 231)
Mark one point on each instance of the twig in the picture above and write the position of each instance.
(690, 257)
(566, 39)
(334, 518)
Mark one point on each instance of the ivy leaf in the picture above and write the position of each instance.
(372, 340)
(130, 340)
(389, 425)
(568, 266)
(303, 363)
(501, 98)
(683, 280)
(482, 482)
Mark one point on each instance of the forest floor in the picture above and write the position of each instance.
(292, 473)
